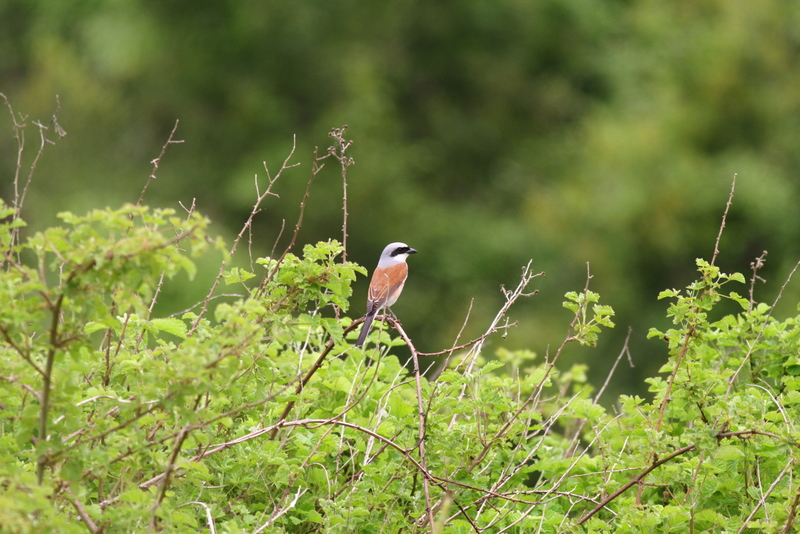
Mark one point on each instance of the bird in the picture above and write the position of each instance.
(386, 284)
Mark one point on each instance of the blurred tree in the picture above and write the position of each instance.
(486, 133)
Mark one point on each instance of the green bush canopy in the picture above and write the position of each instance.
(252, 411)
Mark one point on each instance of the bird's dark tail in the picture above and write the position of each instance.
(365, 329)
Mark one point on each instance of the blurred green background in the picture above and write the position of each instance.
(486, 133)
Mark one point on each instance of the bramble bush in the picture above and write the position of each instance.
(256, 414)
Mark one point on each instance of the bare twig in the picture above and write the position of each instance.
(511, 297)
(156, 162)
(724, 218)
(277, 513)
(212, 528)
(549, 365)
(625, 351)
(82, 513)
(469, 343)
(315, 169)
(756, 266)
(155, 295)
(19, 134)
(742, 434)
(338, 151)
(659, 462)
(44, 131)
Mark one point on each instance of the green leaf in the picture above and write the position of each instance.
(737, 277)
(171, 325)
(237, 276)
(312, 516)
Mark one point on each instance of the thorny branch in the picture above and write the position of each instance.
(691, 331)
(19, 134)
(724, 218)
(338, 150)
(511, 297)
(756, 266)
(156, 162)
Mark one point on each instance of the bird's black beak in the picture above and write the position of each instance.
(411, 251)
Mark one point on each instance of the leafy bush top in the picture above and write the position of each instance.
(261, 417)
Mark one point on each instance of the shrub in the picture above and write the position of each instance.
(258, 415)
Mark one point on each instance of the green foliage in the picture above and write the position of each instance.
(585, 328)
(258, 416)
(563, 130)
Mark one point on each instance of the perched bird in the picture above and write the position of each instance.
(386, 284)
